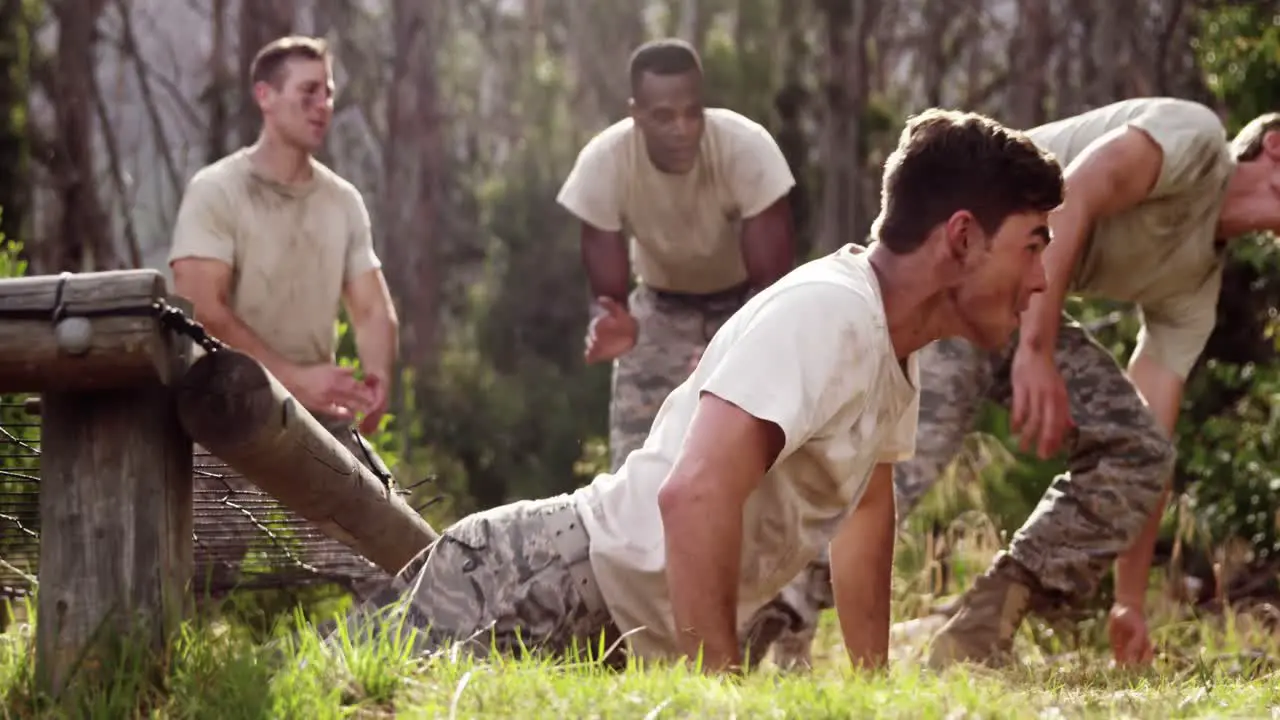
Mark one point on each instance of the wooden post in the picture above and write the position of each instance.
(230, 404)
(115, 486)
(116, 510)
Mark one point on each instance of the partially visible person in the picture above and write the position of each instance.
(268, 242)
(779, 445)
(1155, 192)
(700, 196)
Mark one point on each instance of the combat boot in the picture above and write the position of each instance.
(987, 618)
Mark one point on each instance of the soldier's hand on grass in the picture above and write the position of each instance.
(331, 390)
(1130, 639)
(611, 333)
(1041, 407)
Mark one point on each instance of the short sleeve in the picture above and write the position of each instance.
(901, 443)
(757, 170)
(361, 256)
(205, 224)
(1174, 332)
(592, 191)
(1191, 138)
(796, 363)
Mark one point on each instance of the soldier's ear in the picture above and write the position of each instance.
(1271, 144)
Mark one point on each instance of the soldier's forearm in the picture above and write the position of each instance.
(377, 336)
(1161, 389)
(862, 572)
(608, 266)
(222, 322)
(1043, 318)
(1133, 568)
(768, 244)
(703, 546)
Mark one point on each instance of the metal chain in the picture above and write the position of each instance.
(177, 321)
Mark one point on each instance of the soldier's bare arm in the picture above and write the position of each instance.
(861, 572)
(207, 284)
(377, 328)
(768, 244)
(725, 455)
(761, 181)
(604, 255)
(1131, 643)
(1116, 173)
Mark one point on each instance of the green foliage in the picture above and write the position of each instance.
(1239, 49)
(1228, 441)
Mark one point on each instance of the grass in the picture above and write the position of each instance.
(237, 664)
(1213, 666)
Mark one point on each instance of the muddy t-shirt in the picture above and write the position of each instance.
(292, 248)
(683, 228)
(1160, 254)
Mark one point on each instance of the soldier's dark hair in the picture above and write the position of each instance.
(667, 56)
(269, 64)
(947, 161)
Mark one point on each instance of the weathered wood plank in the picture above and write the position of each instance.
(89, 353)
(116, 507)
(230, 404)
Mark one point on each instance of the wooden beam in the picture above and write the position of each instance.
(230, 404)
(106, 338)
(116, 510)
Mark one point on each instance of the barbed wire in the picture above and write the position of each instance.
(244, 535)
(230, 530)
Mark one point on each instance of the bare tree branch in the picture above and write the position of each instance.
(148, 101)
(186, 110)
(117, 175)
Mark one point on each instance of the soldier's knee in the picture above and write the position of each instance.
(1157, 450)
(1152, 455)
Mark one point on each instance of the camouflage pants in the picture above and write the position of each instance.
(511, 578)
(223, 534)
(1119, 462)
(673, 329)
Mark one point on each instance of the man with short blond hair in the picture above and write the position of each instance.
(269, 243)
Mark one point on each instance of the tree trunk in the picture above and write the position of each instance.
(1029, 54)
(261, 21)
(220, 84)
(80, 240)
(15, 154)
(413, 189)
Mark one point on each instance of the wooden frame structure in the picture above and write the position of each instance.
(121, 402)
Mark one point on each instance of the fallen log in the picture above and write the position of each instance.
(230, 404)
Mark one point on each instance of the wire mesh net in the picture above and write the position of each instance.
(243, 537)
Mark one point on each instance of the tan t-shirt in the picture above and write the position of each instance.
(292, 248)
(811, 353)
(683, 228)
(1161, 254)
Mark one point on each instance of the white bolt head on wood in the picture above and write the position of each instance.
(74, 335)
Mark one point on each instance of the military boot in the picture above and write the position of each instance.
(987, 618)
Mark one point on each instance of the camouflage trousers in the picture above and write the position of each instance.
(223, 535)
(1119, 461)
(674, 328)
(512, 578)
